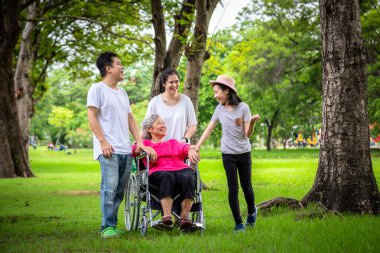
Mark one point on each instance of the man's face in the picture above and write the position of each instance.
(116, 70)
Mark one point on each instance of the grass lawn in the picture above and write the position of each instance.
(58, 210)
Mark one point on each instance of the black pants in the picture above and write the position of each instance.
(172, 182)
(234, 164)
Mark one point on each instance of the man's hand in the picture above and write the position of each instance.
(107, 149)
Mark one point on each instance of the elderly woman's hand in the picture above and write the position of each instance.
(193, 155)
(149, 151)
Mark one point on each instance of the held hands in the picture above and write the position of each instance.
(107, 149)
(193, 155)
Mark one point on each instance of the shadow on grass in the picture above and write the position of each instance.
(13, 219)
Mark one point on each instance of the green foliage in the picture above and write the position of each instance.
(80, 138)
(139, 110)
(70, 92)
(137, 81)
(220, 45)
(60, 117)
(370, 20)
(276, 62)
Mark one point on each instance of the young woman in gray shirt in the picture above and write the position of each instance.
(237, 126)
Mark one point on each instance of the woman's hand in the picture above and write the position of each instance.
(193, 155)
(255, 118)
(149, 151)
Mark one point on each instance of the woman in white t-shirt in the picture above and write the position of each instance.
(174, 108)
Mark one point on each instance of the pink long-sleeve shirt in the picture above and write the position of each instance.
(170, 155)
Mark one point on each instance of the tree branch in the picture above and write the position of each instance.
(24, 4)
(103, 27)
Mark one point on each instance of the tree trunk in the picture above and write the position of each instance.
(270, 123)
(169, 58)
(13, 156)
(345, 179)
(269, 137)
(197, 53)
(24, 89)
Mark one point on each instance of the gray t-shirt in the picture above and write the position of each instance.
(113, 112)
(177, 118)
(233, 133)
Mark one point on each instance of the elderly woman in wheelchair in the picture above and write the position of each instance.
(169, 173)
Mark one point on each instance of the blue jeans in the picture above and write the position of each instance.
(115, 177)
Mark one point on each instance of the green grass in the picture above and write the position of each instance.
(58, 210)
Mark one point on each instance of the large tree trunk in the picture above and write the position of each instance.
(24, 89)
(197, 53)
(13, 156)
(345, 179)
(169, 58)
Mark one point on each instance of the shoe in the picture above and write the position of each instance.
(167, 220)
(239, 228)
(251, 219)
(185, 223)
(109, 232)
(120, 232)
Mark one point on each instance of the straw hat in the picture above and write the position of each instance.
(225, 80)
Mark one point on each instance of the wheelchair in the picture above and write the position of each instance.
(142, 207)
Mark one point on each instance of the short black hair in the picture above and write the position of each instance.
(166, 73)
(104, 60)
(233, 98)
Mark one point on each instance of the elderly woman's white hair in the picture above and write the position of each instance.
(148, 123)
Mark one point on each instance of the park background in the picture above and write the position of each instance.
(273, 50)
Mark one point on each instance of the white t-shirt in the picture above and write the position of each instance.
(177, 118)
(113, 112)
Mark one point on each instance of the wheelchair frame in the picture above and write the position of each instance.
(142, 208)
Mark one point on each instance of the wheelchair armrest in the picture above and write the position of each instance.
(142, 155)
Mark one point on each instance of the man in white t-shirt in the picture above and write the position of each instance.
(111, 120)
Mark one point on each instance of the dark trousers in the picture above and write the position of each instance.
(234, 165)
(172, 182)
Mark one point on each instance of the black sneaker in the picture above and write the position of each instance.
(239, 228)
(251, 219)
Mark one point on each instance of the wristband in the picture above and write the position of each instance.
(186, 140)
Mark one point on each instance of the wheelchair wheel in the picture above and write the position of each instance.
(132, 204)
(143, 225)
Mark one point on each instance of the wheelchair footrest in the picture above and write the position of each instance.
(161, 226)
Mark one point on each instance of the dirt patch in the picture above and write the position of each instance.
(80, 192)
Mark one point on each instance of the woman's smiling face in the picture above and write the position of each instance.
(220, 95)
(158, 128)
(172, 84)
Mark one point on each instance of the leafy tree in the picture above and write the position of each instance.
(277, 59)
(345, 179)
(183, 20)
(219, 47)
(60, 118)
(13, 158)
(370, 20)
(68, 32)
